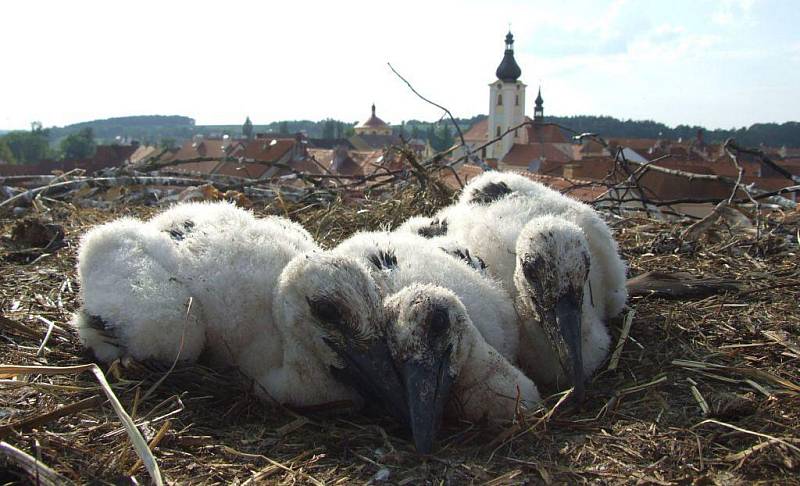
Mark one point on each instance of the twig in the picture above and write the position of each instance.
(152, 445)
(623, 336)
(450, 115)
(33, 422)
(50, 326)
(731, 143)
(37, 471)
(750, 432)
(139, 444)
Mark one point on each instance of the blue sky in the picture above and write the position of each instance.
(718, 63)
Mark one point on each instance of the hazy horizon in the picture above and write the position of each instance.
(718, 64)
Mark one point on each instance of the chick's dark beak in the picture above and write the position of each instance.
(428, 388)
(562, 324)
(372, 373)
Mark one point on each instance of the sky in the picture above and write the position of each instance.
(719, 64)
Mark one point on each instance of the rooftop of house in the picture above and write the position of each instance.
(105, 156)
(522, 155)
(266, 149)
(479, 131)
(329, 143)
(370, 142)
(210, 147)
(544, 133)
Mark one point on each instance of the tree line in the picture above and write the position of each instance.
(79, 141)
(30, 147)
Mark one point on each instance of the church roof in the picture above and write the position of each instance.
(374, 121)
(544, 133)
(508, 70)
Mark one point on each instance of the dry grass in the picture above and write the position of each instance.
(702, 391)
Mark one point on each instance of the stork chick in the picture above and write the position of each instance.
(498, 217)
(437, 300)
(444, 361)
(257, 294)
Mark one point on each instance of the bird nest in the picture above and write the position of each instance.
(702, 390)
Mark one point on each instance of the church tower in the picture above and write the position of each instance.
(538, 108)
(506, 104)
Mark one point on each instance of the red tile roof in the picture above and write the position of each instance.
(522, 155)
(212, 148)
(592, 147)
(105, 156)
(466, 172)
(267, 150)
(248, 170)
(724, 166)
(479, 132)
(586, 193)
(201, 168)
(544, 133)
(769, 183)
(113, 155)
(307, 166)
(636, 144)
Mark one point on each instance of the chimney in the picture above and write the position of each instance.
(571, 171)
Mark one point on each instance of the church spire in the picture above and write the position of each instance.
(538, 109)
(508, 70)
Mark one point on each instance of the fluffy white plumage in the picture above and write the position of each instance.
(415, 272)
(218, 280)
(498, 217)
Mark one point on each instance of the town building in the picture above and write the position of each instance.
(530, 146)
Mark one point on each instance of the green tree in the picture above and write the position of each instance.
(444, 137)
(79, 145)
(6, 155)
(283, 128)
(247, 129)
(168, 143)
(430, 136)
(329, 128)
(29, 147)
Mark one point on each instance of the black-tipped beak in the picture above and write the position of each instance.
(428, 388)
(563, 327)
(372, 373)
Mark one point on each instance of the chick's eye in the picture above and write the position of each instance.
(439, 322)
(325, 310)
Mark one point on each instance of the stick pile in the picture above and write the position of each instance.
(704, 390)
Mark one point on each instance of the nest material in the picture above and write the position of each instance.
(701, 391)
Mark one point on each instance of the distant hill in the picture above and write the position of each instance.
(147, 128)
(156, 128)
(153, 129)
